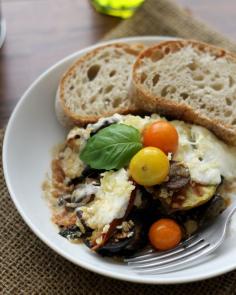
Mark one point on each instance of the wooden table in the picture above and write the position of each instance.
(37, 30)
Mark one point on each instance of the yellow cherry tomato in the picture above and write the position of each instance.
(150, 166)
(165, 234)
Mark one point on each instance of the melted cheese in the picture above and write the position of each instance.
(107, 120)
(79, 136)
(206, 156)
(71, 163)
(139, 122)
(83, 190)
(111, 200)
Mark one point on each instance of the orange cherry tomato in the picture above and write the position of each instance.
(162, 135)
(165, 234)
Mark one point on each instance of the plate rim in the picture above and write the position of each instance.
(43, 237)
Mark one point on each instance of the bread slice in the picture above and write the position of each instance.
(189, 80)
(96, 85)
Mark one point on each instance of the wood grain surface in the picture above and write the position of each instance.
(37, 30)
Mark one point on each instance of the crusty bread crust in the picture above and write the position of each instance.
(67, 117)
(146, 101)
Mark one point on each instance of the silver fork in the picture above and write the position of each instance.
(203, 243)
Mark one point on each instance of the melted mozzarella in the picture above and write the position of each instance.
(139, 122)
(206, 156)
(111, 200)
(83, 190)
(116, 118)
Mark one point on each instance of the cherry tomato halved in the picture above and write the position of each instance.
(165, 234)
(161, 134)
(150, 166)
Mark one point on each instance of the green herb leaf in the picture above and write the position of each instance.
(112, 147)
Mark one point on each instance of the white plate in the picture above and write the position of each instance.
(31, 133)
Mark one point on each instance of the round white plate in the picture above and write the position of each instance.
(31, 133)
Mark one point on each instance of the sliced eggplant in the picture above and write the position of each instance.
(192, 196)
(135, 240)
(215, 207)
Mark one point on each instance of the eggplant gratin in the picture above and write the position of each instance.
(128, 181)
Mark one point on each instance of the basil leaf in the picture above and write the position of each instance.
(112, 147)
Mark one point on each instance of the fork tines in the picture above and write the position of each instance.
(155, 262)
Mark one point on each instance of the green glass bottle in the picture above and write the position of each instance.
(120, 8)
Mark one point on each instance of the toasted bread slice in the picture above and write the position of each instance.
(189, 80)
(97, 85)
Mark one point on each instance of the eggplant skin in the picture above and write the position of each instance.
(114, 248)
(129, 246)
(215, 207)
